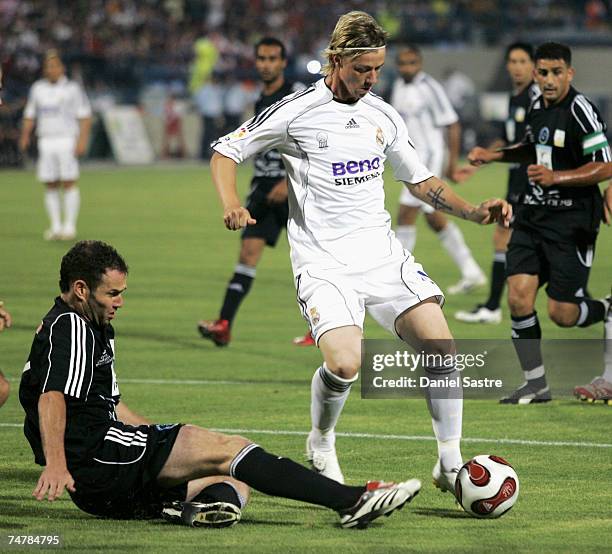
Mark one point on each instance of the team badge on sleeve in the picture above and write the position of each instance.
(380, 137)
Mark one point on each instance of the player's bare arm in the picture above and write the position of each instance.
(607, 198)
(55, 477)
(223, 169)
(591, 173)
(83, 142)
(442, 197)
(515, 153)
(279, 192)
(127, 416)
(5, 317)
(26, 133)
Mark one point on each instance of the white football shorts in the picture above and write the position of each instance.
(56, 159)
(336, 297)
(435, 163)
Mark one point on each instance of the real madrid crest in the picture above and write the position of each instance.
(314, 316)
(380, 137)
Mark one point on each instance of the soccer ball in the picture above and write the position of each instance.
(487, 486)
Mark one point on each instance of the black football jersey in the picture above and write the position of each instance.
(268, 164)
(72, 356)
(566, 136)
(514, 130)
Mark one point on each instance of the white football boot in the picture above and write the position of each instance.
(467, 284)
(444, 480)
(324, 462)
(480, 314)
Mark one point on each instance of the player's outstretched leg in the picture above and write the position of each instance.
(198, 452)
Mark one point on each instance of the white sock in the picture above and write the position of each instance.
(52, 205)
(446, 418)
(607, 374)
(72, 202)
(407, 235)
(328, 395)
(452, 239)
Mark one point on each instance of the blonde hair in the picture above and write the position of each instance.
(355, 33)
(53, 54)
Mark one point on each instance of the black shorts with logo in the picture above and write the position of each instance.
(120, 479)
(271, 218)
(565, 266)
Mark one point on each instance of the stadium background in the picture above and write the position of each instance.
(166, 220)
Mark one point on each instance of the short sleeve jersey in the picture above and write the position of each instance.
(514, 130)
(76, 358)
(334, 154)
(426, 110)
(57, 107)
(566, 136)
(268, 164)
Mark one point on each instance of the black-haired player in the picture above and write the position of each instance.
(557, 223)
(115, 463)
(520, 66)
(267, 200)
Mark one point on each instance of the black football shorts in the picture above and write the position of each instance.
(565, 266)
(120, 479)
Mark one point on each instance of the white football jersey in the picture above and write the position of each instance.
(334, 154)
(426, 110)
(57, 107)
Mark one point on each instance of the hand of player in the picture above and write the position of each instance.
(80, 149)
(495, 210)
(24, 142)
(607, 199)
(462, 173)
(540, 175)
(5, 318)
(479, 155)
(52, 483)
(278, 193)
(237, 218)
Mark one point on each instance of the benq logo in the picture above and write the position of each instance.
(352, 167)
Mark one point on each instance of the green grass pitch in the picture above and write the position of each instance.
(167, 222)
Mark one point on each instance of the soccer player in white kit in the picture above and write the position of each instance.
(334, 138)
(428, 114)
(62, 114)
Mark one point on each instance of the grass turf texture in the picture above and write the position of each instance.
(167, 223)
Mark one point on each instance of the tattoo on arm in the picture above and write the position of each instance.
(437, 200)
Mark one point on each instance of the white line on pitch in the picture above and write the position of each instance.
(523, 442)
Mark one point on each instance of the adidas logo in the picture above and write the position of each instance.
(352, 124)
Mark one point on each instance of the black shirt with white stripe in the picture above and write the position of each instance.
(565, 136)
(75, 357)
(268, 164)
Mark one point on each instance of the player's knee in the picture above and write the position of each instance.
(345, 365)
(563, 316)
(519, 300)
(5, 389)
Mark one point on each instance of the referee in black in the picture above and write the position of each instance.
(556, 225)
(114, 462)
(267, 201)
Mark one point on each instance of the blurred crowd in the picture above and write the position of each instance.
(118, 48)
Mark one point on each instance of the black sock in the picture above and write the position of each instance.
(237, 289)
(526, 336)
(591, 311)
(498, 280)
(219, 492)
(278, 476)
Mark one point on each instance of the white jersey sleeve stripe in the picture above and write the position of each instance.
(585, 115)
